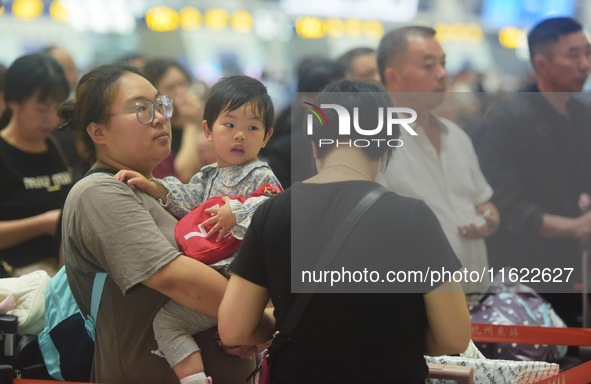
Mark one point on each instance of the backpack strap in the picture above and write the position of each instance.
(99, 279)
(97, 292)
(95, 301)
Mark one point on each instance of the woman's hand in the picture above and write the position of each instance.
(188, 108)
(223, 219)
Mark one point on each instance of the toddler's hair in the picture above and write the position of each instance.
(233, 92)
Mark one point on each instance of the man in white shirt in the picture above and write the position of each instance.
(439, 165)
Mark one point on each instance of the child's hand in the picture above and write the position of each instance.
(139, 181)
(223, 219)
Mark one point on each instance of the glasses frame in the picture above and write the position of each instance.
(164, 103)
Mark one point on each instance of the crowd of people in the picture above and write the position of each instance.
(99, 169)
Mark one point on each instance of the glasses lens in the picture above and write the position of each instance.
(164, 105)
(144, 110)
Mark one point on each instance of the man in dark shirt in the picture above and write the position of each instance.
(534, 151)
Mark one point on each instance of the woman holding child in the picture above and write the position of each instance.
(124, 123)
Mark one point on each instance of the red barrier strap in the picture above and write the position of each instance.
(581, 374)
(488, 333)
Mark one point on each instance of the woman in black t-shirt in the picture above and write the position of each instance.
(358, 332)
(35, 175)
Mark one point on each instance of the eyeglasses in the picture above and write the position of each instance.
(144, 109)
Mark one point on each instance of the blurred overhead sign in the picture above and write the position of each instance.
(384, 10)
(312, 27)
(523, 13)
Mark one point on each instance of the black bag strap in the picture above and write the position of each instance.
(297, 310)
(63, 156)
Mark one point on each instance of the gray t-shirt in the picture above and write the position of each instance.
(109, 226)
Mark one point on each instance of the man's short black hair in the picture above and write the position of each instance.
(549, 31)
(395, 43)
(233, 92)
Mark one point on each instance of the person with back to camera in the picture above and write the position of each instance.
(36, 175)
(124, 123)
(346, 337)
(238, 117)
(313, 73)
(534, 151)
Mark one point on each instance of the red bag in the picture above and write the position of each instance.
(190, 233)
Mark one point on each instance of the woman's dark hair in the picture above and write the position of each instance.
(315, 72)
(235, 91)
(95, 92)
(37, 75)
(155, 69)
(368, 97)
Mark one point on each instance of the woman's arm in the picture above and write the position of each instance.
(189, 115)
(245, 301)
(15, 232)
(449, 320)
(190, 283)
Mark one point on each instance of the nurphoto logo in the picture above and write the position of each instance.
(393, 117)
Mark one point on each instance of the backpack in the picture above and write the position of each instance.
(67, 341)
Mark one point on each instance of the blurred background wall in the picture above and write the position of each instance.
(267, 38)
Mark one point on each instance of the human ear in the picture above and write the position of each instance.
(96, 132)
(540, 63)
(314, 150)
(315, 156)
(390, 77)
(206, 131)
(13, 105)
(383, 162)
(267, 137)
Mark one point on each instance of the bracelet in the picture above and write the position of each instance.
(165, 195)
